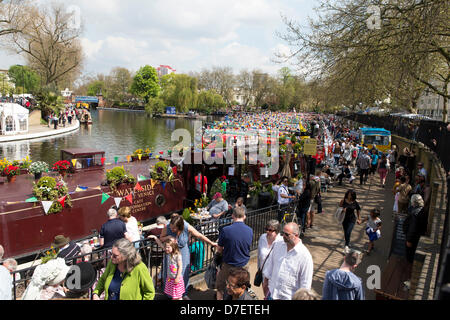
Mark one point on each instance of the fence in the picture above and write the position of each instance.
(202, 254)
(436, 136)
(433, 134)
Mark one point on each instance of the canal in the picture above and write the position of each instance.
(118, 133)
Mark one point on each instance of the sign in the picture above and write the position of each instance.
(310, 147)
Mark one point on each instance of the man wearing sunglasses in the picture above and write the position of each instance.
(283, 197)
(289, 267)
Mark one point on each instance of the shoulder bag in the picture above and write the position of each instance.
(339, 215)
(259, 274)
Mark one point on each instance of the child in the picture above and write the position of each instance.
(174, 287)
(373, 228)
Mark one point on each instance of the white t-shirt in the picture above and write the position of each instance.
(5, 284)
(133, 229)
(283, 190)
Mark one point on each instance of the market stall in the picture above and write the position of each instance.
(13, 119)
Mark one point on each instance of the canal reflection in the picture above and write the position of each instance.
(117, 133)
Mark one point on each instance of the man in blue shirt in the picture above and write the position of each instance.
(234, 244)
(112, 230)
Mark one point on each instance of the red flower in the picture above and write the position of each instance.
(61, 165)
(11, 171)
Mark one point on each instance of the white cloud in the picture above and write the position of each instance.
(188, 35)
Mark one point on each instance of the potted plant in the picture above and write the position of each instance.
(61, 166)
(48, 189)
(11, 172)
(49, 255)
(144, 154)
(37, 168)
(255, 189)
(118, 176)
(25, 165)
(3, 164)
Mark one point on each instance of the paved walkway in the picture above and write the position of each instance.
(326, 240)
(40, 131)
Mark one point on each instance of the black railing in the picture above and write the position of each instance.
(202, 254)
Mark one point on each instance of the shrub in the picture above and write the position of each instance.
(117, 176)
(48, 189)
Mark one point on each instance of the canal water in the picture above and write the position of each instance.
(118, 133)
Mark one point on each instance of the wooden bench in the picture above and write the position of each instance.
(393, 276)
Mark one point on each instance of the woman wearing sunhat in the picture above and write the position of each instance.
(47, 280)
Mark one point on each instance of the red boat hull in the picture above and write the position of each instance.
(25, 228)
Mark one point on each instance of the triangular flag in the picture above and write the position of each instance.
(139, 156)
(129, 198)
(80, 188)
(141, 178)
(103, 161)
(46, 205)
(32, 199)
(62, 200)
(138, 187)
(150, 155)
(88, 162)
(74, 162)
(163, 183)
(105, 197)
(153, 182)
(128, 158)
(157, 157)
(161, 152)
(116, 159)
(174, 170)
(117, 201)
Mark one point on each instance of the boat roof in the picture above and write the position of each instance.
(82, 151)
(380, 131)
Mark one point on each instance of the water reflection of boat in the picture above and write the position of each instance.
(85, 117)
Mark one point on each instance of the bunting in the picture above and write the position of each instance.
(105, 197)
(62, 201)
(129, 198)
(128, 158)
(153, 182)
(74, 162)
(89, 162)
(46, 205)
(103, 161)
(142, 178)
(116, 159)
(117, 201)
(163, 183)
(138, 187)
(139, 156)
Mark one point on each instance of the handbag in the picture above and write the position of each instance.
(339, 215)
(259, 275)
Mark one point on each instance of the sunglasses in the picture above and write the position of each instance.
(285, 233)
(271, 230)
(231, 285)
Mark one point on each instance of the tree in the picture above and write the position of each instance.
(220, 79)
(5, 86)
(180, 91)
(12, 17)
(48, 101)
(155, 105)
(121, 80)
(145, 83)
(25, 77)
(407, 44)
(209, 101)
(50, 46)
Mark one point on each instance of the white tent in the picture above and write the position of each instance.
(13, 118)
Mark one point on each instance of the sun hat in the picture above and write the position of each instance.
(88, 275)
(60, 241)
(217, 195)
(51, 273)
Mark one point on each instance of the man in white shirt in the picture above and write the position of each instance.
(422, 170)
(5, 279)
(283, 197)
(289, 267)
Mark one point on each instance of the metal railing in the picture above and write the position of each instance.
(202, 254)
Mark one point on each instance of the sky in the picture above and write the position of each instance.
(186, 35)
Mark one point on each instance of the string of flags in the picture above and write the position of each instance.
(46, 205)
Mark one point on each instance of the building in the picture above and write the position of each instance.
(431, 104)
(5, 81)
(164, 70)
(243, 97)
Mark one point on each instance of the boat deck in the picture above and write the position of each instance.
(22, 188)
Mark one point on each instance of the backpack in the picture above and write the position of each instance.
(211, 275)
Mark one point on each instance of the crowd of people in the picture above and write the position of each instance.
(285, 264)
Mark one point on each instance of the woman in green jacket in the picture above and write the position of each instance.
(126, 277)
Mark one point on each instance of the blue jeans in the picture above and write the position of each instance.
(302, 216)
(348, 227)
